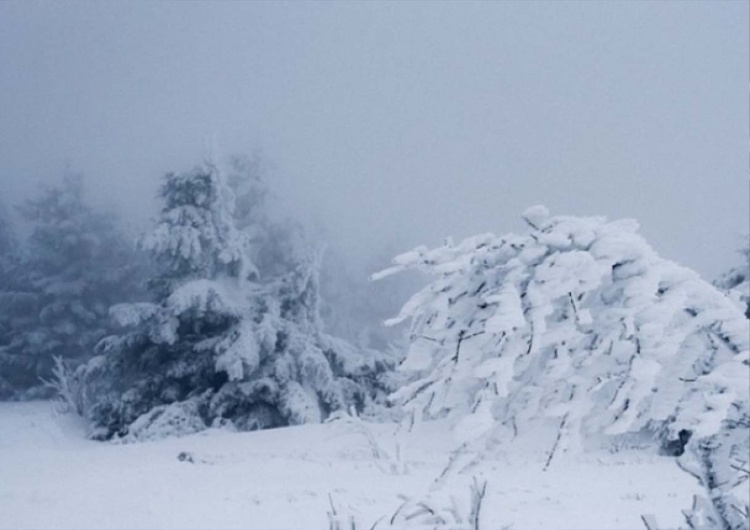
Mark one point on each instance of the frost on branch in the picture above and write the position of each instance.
(577, 323)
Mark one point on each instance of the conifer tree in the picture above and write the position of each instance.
(7, 235)
(11, 306)
(216, 345)
(75, 264)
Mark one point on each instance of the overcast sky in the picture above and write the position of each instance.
(396, 124)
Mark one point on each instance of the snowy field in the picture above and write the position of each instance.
(52, 477)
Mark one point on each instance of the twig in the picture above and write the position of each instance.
(531, 337)
(477, 496)
(690, 472)
(573, 304)
(462, 336)
(398, 510)
(649, 521)
(451, 461)
(376, 523)
(426, 507)
(330, 500)
(557, 441)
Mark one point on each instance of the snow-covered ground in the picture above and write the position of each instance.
(52, 477)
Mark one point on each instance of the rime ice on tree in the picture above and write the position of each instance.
(580, 324)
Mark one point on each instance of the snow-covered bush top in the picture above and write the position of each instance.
(578, 319)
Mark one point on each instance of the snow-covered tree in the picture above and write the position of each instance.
(279, 245)
(579, 325)
(10, 297)
(7, 235)
(8, 250)
(74, 265)
(215, 345)
(736, 281)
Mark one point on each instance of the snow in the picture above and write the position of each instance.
(536, 215)
(52, 477)
(509, 314)
(206, 296)
(125, 315)
(241, 356)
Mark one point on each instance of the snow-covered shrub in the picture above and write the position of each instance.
(68, 388)
(341, 517)
(422, 513)
(578, 324)
(250, 349)
(436, 514)
(389, 459)
(165, 421)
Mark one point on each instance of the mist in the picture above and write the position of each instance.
(274, 264)
(391, 125)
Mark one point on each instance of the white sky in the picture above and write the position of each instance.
(397, 124)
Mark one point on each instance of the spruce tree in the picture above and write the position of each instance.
(216, 345)
(12, 299)
(74, 265)
(7, 236)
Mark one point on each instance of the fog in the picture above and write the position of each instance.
(392, 125)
